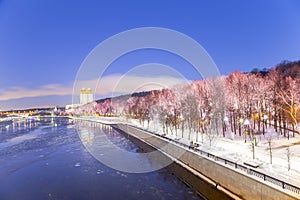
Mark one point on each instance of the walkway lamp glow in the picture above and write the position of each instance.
(246, 124)
(241, 120)
(226, 119)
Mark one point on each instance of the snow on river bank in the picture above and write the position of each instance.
(236, 149)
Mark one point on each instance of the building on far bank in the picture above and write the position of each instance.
(86, 96)
(72, 106)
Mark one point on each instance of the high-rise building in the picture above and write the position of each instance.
(86, 96)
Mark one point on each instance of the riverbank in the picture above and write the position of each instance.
(203, 185)
(242, 172)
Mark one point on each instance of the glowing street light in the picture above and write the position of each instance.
(241, 120)
(224, 125)
(226, 119)
(246, 123)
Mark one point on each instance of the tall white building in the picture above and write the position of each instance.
(86, 96)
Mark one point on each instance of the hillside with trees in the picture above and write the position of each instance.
(241, 103)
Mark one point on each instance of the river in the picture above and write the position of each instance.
(47, 159)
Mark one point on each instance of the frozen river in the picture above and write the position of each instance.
(46, 159)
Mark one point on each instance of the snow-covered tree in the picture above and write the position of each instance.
(290, 97)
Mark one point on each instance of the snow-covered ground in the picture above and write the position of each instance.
(237, 150)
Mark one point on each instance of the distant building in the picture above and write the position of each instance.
(72, 106)
(86, 96)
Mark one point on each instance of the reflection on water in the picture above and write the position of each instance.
(85, 135)
(50, 162)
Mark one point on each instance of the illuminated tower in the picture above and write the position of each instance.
(86, 96)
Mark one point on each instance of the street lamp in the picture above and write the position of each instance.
(226, 119)
(246, 123)
(202, 125)
(182, 125)
(241, 120)
(265, 117)
(165, 127)
(224, 125)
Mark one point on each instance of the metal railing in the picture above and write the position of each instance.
(232, 164)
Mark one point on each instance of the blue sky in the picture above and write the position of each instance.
(43, 43)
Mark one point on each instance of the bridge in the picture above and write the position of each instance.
(52, 111)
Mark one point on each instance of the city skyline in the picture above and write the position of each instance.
(44, 44)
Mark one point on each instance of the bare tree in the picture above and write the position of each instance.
(211, 133)
(190, 111)
(290, 97)
(217, 102)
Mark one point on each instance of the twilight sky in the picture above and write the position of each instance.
(43, 43)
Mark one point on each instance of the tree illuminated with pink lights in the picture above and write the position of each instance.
(217, 105)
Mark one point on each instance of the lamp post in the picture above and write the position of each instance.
(241, 120)
(203, 124)
(246, 124)
(226, 120)
(247, 128)
(182, 125)
(165, 128)
(224, 125)
(265, 117)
